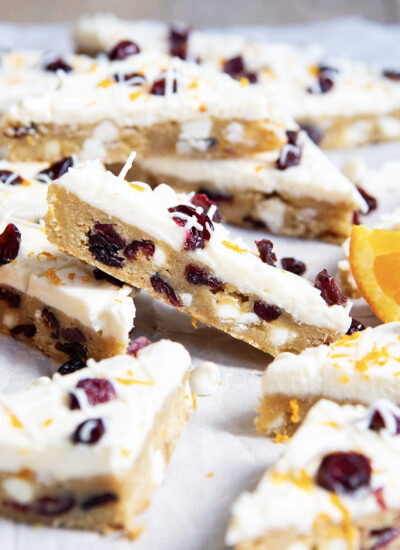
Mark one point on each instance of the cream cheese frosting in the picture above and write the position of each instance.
(26, 201)
(289, 485)
(358, 90)
(362, 367)
(315, 177)
(232, 261)
(92, 96)
(65, 283)
(37, 424)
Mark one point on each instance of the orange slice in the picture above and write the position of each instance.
(375, 264)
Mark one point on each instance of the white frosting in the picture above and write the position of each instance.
(148, 210)
(39, 438)
(205, 378)
(288, 486)
(315, 177)
(28, 200)
(41, 271)
(363, 367)
(94, 96)
(359, 89)
(379, 182)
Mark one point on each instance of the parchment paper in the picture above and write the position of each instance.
(191, 510)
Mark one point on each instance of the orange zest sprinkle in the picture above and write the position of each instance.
(244, 81)
(294, 409)
(15, 422)
(26, 183)
(29, 140)
(344, 379)
(47, 422)
(118, 301)
(30, 254)
(282, 438)
(203, 108)
(347, 526)
(105, 83)
(93, 68)
(130, 381)
(300, 479)
(51, 274)
(134, 95)
(47, 255)
(313, 70)
(376, 356)
(86, 278)
(194, 322)
(210, 475)
(332, 424)
(71, 276)
(136, 186)
(234, 247)
(193, 85)
(125, 452)
(258, 168)
(194, 400)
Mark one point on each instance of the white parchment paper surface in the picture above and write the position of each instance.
(191, 510)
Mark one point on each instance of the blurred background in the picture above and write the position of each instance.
(204, 12)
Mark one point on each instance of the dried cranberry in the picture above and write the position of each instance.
(58, 64)
(53, 506)
(380, 499)
(104, 244)
(293, 265)
(355, 326)
(10, 178)
(73, 335)
(369, 199)
(99, 500)
(196, 275)
(159, 86)
(52, 322)
(98, 390)
(215, 196)
(234, 66)
(73, 349)
(56, 170)
(356, 217)
(137, 344)
(382, 537)
(265, 249)
(344, 472)
(28, 331)
(178, 41)
(12, 298)
(144, 247)
(314, 133)
(17, 506)
(201, 199)
(123, 49)
(251, 77)
(254, 222)
(164, 288)
(391, 74)
(89, 432)
(266, 312)
(195, 237)
(71, 366)
(131, 79)
(326, 79)
(290, 154)
(377, 422)
(10, 241)
(329, 288)
(101, 275)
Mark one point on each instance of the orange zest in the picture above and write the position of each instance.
(375, 264)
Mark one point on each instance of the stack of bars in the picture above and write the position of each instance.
(120, 171)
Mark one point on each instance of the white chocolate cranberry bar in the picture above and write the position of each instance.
(87, 448)
(341, 102)
(336, 486)
(360, 368)
(23, 186)
(57, 303)
(293, 191)
(147, 102)
(175, 247)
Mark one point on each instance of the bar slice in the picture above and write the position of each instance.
(359, 368)
(57, 303)
(174, 247)
(336, 485)
(149, 103)
(307, 198)
(341, 102)
(87, 448)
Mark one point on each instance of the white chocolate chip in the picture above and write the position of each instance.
(205, 378)
(19, 490)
